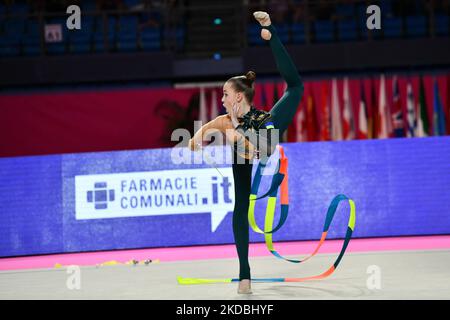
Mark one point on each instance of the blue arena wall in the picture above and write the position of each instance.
(109, 200)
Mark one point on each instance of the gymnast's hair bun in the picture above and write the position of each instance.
(251, 76)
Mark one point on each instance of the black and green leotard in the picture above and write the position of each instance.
(282, 114)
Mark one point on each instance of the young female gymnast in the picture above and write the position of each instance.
(245, 121)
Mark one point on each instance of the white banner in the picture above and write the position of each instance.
(155, 193)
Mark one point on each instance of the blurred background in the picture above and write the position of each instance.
(138, 69)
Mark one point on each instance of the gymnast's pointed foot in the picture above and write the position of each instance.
(262, 17)
(264, 20)
(245, 287)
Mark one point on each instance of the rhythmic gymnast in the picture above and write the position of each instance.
(245, 121)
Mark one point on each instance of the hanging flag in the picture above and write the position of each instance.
(411, 116)
(382, 129)
(423, 124)
(311, 119)
(264, 104)
(275, 94)
(301, 134)
(389, 123)
(214, 111)
(276, 97)
(373, 121)
(336, 121)
(438, 113)
(325, 112)
(362, 117)
(397, 114)
(348, 118)
(203, 111)
(448, 103)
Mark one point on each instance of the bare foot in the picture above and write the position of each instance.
(245, 287)
(264, 20)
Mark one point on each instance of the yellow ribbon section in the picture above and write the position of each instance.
(182, 280)
(351, 222)
(268, 223)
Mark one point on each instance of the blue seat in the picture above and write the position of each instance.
(98, 23)
(127, 41)
(111, 24)
(9, 51)
(98, 42)
(283, 31)
(31, 44)
(298, 33)
(9, 47)
(128, 23)
(175, 36)
(32, 38)
(127, 34)
(150, 39)
(112, 27)
(32, 26)
(80, 47)
(80, 40)
(127, 44)
(180, 33)
(111, 35)
(347, 30)
(324, 31)
(13, 28)
(416, 26)
(56, 48)
(392, 27)
(87, 23)
(441, 25)
(254, 34)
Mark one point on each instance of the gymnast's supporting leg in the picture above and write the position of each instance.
(242, 174)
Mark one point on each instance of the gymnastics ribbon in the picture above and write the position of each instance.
(281, 178)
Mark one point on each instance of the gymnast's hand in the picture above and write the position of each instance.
(195, 145)
(234, 114)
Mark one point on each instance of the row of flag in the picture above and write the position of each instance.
(386, 119)
(330, 114)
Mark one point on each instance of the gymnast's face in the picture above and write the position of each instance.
(230, 97)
